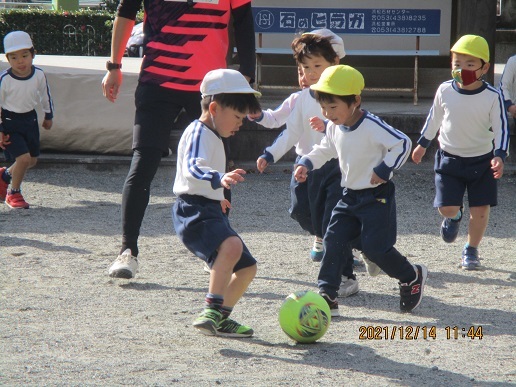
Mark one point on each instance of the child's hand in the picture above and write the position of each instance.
(301, 173)
(497, 167)
(261, 164)
(231, 178)
(254, 116)
(512, 110)
(418, 154)
(225, 205)
(4, 140)
(47, 124)
(376, 180)
(317, 124)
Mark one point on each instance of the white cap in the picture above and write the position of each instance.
(336, 41)
(223, 81)
(17, 40)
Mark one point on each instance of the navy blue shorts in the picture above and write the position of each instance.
(202, 227)
(454, 175)
(23, 132)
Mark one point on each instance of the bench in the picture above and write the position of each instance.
(270, 20)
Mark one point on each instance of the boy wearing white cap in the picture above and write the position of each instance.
(199, 213)
(473, 139)
(367, 150)
(22, 87)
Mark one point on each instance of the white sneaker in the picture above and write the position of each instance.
(125, 266)
(348, 287)
(372, 268)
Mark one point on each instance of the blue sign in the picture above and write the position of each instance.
(394, 21)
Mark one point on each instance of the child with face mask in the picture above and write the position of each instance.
(473, 139)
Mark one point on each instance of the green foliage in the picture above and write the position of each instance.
(111, 5)
(83, 32)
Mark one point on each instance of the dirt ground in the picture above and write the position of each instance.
(63, 321)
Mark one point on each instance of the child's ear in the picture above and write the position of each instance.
(212, 107)
(486, 67)
(358, 99)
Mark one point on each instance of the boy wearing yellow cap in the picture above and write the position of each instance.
(473, 140)
(368, 150)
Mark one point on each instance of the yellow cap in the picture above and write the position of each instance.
(340, 80)
(473, 45)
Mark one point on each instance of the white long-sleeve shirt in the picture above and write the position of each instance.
(508, 82)
(298, 132)
(201, 162)
(276, 118)
(467, 121)
(369, 145)
(22, 95)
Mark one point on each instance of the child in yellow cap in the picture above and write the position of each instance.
(473, 140)
(368, 150)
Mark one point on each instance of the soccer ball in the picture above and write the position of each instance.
(304, 316)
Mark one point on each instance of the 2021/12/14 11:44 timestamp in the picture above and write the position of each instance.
(415, 332)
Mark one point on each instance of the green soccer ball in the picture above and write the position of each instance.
(304, 316)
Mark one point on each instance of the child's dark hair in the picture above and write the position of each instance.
(308, 45)
(321, 96)
(241, 102)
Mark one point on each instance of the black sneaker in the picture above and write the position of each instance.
(333, 304)
(450, 228)
(412, 293)
(470, 260)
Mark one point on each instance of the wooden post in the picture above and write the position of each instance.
(478, 17)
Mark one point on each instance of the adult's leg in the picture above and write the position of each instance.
(156, 111)
(136, 194)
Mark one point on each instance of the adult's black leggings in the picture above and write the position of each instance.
(136, 194)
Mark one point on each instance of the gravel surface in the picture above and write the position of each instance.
(63, 321)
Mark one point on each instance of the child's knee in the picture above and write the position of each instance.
(24, 160)
(479, 212)
(449, 211)
(248, 272)
(232, 248)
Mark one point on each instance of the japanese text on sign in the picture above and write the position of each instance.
(349, 21)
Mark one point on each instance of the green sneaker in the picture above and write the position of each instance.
(230, 328)
(208, 321)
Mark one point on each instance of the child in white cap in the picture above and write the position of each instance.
(470, 118)
(22, 87)
(367, 151)
(199, 213)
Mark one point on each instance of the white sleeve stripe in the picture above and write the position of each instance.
(504, 141)
(193, 153)
(400, 160)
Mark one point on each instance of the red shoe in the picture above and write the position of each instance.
(16, 200)
(3, 185)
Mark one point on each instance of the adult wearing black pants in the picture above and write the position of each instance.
(183, 41)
